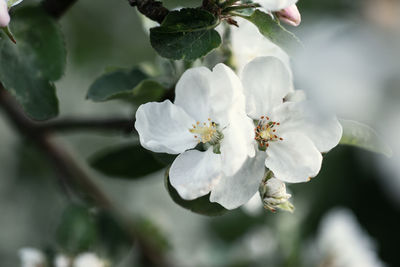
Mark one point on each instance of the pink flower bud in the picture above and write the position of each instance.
(290, 15)
(4, 17)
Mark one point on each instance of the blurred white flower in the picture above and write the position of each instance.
(209, 109)
(31, 257)
(62, 261)
(276, 5)
(4, 16)
(343, 243)
(88, 260)
(248, 43)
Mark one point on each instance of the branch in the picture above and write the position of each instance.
(152, 9)
(123, 125)
(73, 174)
(56, 8)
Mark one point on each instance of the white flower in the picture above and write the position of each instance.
(276, 5)
(31, 257)
(343, 243)
(4, 16)
(209, 109)
(290, 15)
(88, 260)
(62, 261)
(289, 137)
(248, 43)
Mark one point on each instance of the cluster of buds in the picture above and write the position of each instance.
(274, 196)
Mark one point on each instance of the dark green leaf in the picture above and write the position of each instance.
(77, 231)
(28, 68)
(128, 161)
(200, 205)
(186, 34)
(363, 136)
(271, 29)
(153, 234)
(132, 85)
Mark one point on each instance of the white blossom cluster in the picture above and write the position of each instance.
(229, 129)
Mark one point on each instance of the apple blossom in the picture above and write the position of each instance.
(288, 135)
(290, 15)
(209, 110)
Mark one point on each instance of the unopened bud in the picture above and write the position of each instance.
(290, 15)
(275, 196)
(4, 16)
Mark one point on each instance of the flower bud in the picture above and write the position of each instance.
(4, 17)
(275, 195)
(290, 15)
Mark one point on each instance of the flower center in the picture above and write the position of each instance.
(206, 132)
(266, 131)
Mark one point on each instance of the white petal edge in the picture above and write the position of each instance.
(266, 82)
(233, 191)
(324, 130)
(276, 5)
(194, 173)
(164, 128)
(293, 160)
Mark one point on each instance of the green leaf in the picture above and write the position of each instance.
(271, 28)
(127, 161)
(186, 34)
(132, 85)
(77, 231)
(201, 205)
(28, 68)
(363, 136)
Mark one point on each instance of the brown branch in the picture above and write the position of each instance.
(56, 8)
(152, 9)
(72, 174)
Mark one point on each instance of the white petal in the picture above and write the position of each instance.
(294, 159)
(234, 191)
(237, 144)
(324, 130)
(296, 96)
(164, 128)
(226, 95)
(194, 173)
(266, 82)
(276, 5)
(192, 93)
(248, 43)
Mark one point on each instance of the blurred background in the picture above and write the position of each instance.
(347, 216)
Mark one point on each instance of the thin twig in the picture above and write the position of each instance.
(123, 125)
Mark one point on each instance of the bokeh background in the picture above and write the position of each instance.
(347, 216)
